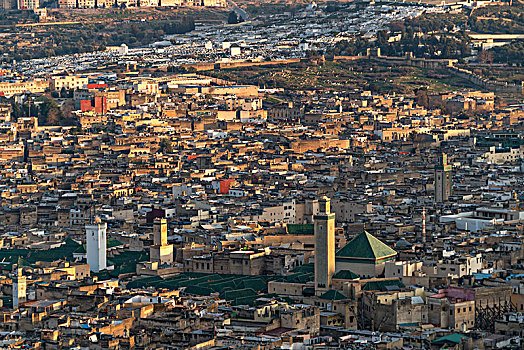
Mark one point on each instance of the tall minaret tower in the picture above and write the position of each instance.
(96, 245)
(324, 223)
(442, 179)
(19, 286)
(161, 252)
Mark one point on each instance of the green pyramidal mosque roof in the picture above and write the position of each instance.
(365, 246)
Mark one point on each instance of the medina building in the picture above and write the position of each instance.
(364, 255)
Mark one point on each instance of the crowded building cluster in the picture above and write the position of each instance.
(181, 211)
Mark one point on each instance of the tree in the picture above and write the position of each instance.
(332, 7)
(485, 56)
(500, 102)
(185, 25)
(232, 18)
(17, 111)
(53, 117)
(50, 113)
(166, 146)
(422, 97)
(382, 37)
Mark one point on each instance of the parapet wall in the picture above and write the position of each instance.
(486, 83)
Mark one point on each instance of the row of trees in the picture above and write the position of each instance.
(47, 111)
(494, 26)
(498, 19)
(433, 46)
(185, 25)
(232, 18)
(431, 35)
(512, 53)
(429, 23)
(92, 37)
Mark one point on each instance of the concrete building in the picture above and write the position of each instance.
(72, 82)
(301, 317)
(27, 4)
(388, 311)
(504, 155)
(452, 308)
(10, 88)
(245, 262)
(483, 218)
(324, 223)
(511, 324)
(347, 210)
(96, 245)
(458, 267)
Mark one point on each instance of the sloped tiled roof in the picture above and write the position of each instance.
(383, 285)
(300, 229)
(333, 295)
(449, 339)
(309, 267)
(366, 246)
(346, 275)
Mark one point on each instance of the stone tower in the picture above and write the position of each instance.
(19, 286)
(324, 223)
(96, 245)
(161, 252)
(442, 179)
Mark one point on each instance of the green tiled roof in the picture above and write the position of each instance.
(144, 282)
(255, 284)
(65, 252)
(449, 339)
(111, 242)
(125, 262)
(192, 289)
(365, 246)
(299, 277)
(300, 229)
(346, 275)
(309, 267)
(239, 289)
(308, 291)
(238, 293)
(383, 285)
(252, 299)
(333, 295)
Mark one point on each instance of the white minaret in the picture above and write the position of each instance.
(96, 245)
(19, 287)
